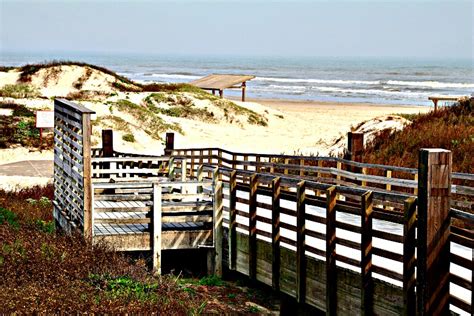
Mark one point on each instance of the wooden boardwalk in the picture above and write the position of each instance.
(219, 83)
(336, 234)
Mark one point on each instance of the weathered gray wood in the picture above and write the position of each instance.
(232, 221)
(300, 242)
(156, 229)
(86, 145)
(253, 228)
(331, 284)
(218, 229)
(276, 193)
(409, 279)
(169, 143)
(367, 289)
(434, 185)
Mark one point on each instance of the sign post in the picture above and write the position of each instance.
(44, 119)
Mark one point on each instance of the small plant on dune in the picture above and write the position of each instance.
(211, 280)
(128, 138)
(18, 91)
(148, 120)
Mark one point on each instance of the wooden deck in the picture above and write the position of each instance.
(436, 98)
(220, 82)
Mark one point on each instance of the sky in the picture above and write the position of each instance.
(397, 28)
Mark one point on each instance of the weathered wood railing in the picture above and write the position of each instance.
(144, 215)
(72, 165)
(378, 178)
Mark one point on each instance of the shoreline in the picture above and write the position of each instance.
(293, 102)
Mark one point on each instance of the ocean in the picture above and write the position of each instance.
(402, 81)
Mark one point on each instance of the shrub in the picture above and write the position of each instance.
(128, 138)
(19, 91)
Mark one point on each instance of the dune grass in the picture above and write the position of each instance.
(148, 120)
(449, 128)
(18, 91)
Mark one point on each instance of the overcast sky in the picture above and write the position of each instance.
(398, 28)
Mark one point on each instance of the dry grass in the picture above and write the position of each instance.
(449, 128)
(44, 271)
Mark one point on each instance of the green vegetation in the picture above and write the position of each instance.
(113, 122)
(18, 91)
(128, 137)
(19, 128)
(148, 120)
(449, 127)
(178, 106)
(47, 272)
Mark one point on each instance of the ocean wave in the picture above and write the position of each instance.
(175, 76)
(430, 84)
(320, 81)
(406, 94)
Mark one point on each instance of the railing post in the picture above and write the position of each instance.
(199, 178)
(233, 221)
(253, 228)
(367, 288)
(300, 242)
(355, 146)
(218, 220)
(276, 233)
(409, 225)
(107, 143)
(169, 145)
(171, 167)
(87, 165)
(331, 280)
(434, 190)
(156, 228)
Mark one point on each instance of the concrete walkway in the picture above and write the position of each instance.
(28, 168)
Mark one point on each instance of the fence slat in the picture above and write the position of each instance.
(232, 221)
(300, 242)
(331, 286)
(253, 228)
(366, 254)
(409, 225)
(276, 234)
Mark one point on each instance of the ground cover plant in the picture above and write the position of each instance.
(19, 128)
(46, 271)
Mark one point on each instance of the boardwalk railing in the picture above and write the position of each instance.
(72, 165)
(144, 215)
(378, 178)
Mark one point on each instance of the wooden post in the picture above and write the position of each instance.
(331, 280)
(409, 226)
(257, 166)
(221, 93)
(355, 144)
(233, 221)
(199, 178)
(276, 233)
(253, 228)
(107, 143)
(169, 146)
(364, 172)
(300, 242)
(388, 174)
(367, 288)
(434, 192)
(171, 168)
(302, 165)
(218, 220)
(183, 169)
(156, 228)
(435, 101)
(287, 161)
(243, 91)
(86, 156)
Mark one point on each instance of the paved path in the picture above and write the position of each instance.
(28, 168)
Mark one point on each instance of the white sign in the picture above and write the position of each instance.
(44, 119)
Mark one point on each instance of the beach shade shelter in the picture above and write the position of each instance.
(220, 82)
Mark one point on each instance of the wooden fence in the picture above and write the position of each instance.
(72, 165)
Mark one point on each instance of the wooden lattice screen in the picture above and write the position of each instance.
(72, 166)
